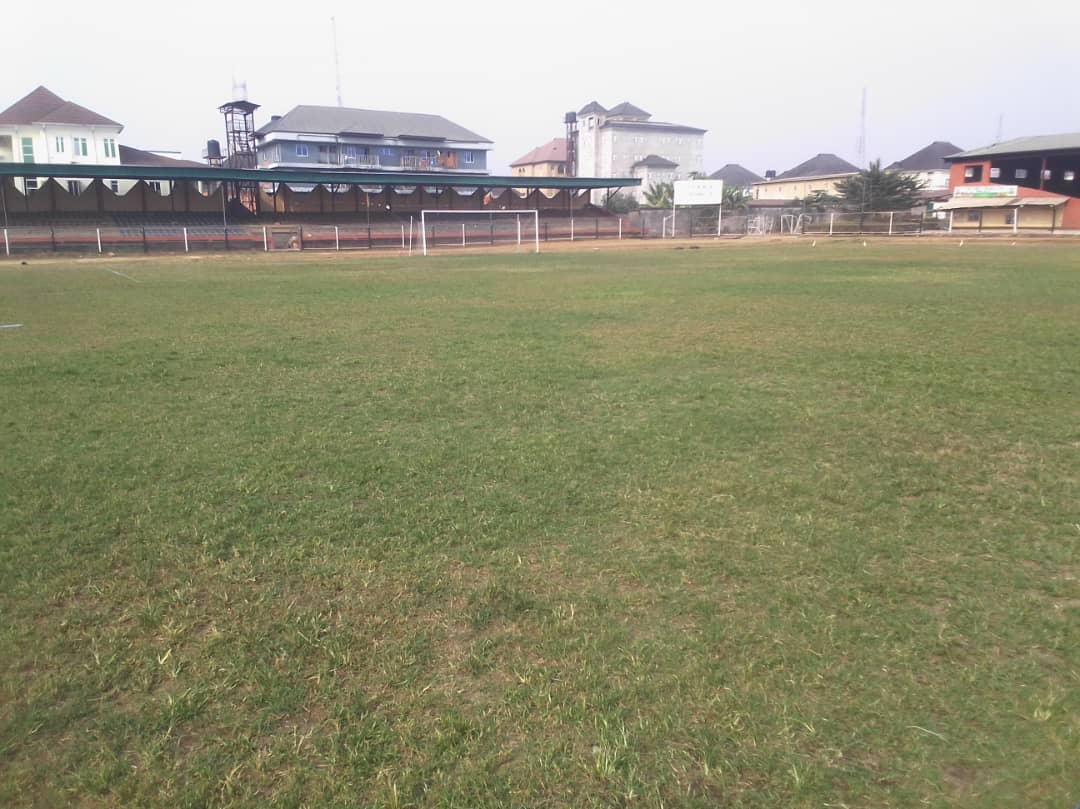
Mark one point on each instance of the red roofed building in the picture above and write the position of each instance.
(548, 160)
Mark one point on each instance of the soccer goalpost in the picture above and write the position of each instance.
(434, 215)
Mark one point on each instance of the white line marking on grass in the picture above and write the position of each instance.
(10, 325)
(117, 272)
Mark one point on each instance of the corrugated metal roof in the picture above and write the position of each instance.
(1037, 143)
(963, 203)
(43, 106)
(317, 120)
(95, 171)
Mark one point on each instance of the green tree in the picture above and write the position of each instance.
(660, 195)
(819, 201)
(875, 189)
(735, 198)
(622, 203)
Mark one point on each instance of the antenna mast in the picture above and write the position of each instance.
(337, 64)
(1000, 129)
(862, 133)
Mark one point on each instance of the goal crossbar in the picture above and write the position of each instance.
(533, 213)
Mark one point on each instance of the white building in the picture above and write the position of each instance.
(44, 128)
(624, 141)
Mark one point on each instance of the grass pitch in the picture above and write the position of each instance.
(769, 527)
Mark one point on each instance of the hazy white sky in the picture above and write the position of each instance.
(774, 83)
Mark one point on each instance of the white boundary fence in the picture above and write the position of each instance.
(533, 214)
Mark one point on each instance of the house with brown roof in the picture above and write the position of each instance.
(548, 160)
(42, 127)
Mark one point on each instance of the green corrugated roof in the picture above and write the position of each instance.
(210, 174)
(1037, 143)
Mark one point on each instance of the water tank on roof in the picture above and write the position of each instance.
(571, 117)
(275, 118)
(770, 174)
(213, 150)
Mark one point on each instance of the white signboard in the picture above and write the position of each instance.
(986, 191)
(699, 192)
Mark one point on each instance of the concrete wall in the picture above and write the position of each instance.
(552, 169)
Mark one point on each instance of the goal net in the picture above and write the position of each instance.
(443, 228)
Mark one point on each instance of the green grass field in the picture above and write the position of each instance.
(771, 526)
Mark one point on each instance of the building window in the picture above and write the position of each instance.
(114, 186)
(110, 147)
(350, 151)
(1047, 174)
(79, 147)
(973, 216)
(1069, 176)
(30, 184)
(59, 145)
(301, 150)
(154, 185)
(1010, 217)
(387, 152)
(1020, 174)
(73, 187)
(995, 173)
(468, 157)
(28, 153)
(973, 174)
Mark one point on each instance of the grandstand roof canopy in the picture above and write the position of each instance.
(310, 177)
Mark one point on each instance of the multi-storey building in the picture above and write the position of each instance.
(1024, 183)
(625, 142)
(313, 137)
(43, 128)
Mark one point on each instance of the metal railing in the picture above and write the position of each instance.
(150, 238)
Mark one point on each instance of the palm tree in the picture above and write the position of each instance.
(659, 195)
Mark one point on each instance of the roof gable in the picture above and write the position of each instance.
(552, 152)
(929, 158)
(42, 106)
(819, 165)
(736, 175)
(629, 110)
(592, 108)
(377, 123)
(655, 162)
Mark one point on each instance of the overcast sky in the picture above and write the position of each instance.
(774, 83)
